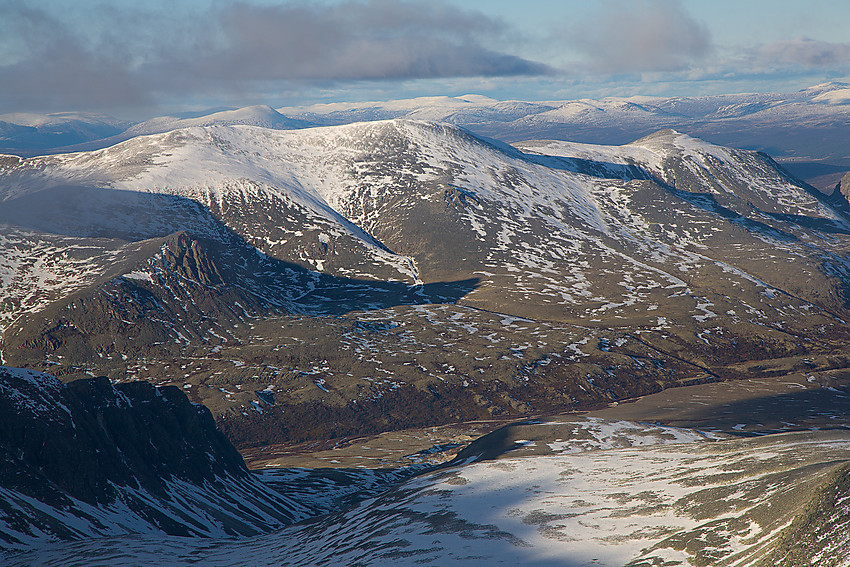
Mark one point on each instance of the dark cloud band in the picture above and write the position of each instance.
(229, 49)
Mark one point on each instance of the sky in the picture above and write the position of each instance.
(140, 59)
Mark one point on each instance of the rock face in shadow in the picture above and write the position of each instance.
(91, 458)
(843, 187)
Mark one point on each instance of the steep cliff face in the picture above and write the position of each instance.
(843, 187)
(91, 458)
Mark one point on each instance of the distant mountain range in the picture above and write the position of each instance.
(28, 134)
(806, 130)
(800, 125)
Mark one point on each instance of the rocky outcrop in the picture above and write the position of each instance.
(92, 458)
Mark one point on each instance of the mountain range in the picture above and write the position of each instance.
(805, 130)
(210, 283)
(389, 274)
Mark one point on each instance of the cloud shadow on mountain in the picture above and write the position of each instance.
(598, 169)
(799, 410)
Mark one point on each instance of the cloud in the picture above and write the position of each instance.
(381, 39)
(784, 64)
(804, 52)
(641, 36)
(117, 58)
(47, 61)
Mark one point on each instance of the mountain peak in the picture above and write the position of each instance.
(661, 138)
(828, 86)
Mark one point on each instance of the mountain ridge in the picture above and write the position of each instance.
(558, 274)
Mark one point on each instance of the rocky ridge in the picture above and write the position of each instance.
(92, 459)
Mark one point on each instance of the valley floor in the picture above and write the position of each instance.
(789, 402)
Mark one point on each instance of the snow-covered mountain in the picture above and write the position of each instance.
(35, 133)
(741, 120)
(805, 129)
(323, 282)
(259, 115)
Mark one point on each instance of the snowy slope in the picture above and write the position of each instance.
(597, 493)
(261, 115)
(752, 178)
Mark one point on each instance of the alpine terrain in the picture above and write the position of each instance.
(301, 289)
